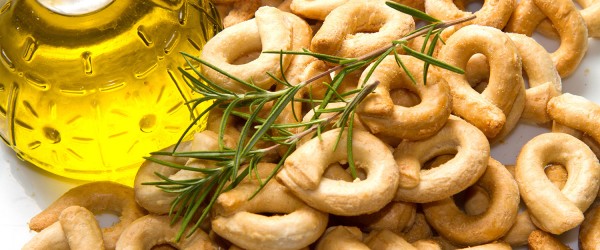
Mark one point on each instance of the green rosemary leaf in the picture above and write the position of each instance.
(413, 12)
(349, 149)
(375, 64)
(403, 66)
(432, 60)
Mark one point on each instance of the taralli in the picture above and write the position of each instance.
(493, 13)
(387, 240)
(341, 237)
(268, 31)
(346, 32)
(489, 246)
(427, 245)
(240, 220)
(576, 112)
(419, 230)
(97, 197)
(589, 231)
(315, 9)
(483, 228)
(554, 210)
(589, 13)
(240, 11)
(456, 137)
(302, 173)
(154, 230)
(76, 228)
(540, 240)
(487, 111)
(383, 117)
(568, 22)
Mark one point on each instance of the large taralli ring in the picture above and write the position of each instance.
(346, 32)
(493, 13)
(97, 197)
(154, 230)
(557, 210)
(382, 116)
(463, 170)
(302, 173)
(568, 22)
(239, 219)
(486, 227)
(270, 30)
(488, 110)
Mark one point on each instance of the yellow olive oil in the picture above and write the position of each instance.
(87, 88)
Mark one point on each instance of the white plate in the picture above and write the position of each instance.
(25, 190)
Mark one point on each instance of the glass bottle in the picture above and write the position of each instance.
(87, 88)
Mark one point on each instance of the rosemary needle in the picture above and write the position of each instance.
(199, 195)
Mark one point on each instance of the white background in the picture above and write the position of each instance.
(25, 189)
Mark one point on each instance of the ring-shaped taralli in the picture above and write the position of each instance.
(239, 219)
(387, 240)
(488, 110)
(493, 13)
(540, 240)
(570, 26)
(154, 230)
(488, 226)
(268, 31)
(315, 9)
(589, 231)
(97, 197)
(382, 117)
(590, 15)
(303, 169)
(576, 112)
(346, 32)
(76, 228)
(557, 210)
(456, 137)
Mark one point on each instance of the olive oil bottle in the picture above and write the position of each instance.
(87, 88)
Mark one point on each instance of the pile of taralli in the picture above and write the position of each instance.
(420, 148)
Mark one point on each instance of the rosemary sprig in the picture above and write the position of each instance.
(199, 195)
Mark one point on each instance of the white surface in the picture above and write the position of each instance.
(25, 189)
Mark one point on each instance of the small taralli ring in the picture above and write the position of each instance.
(97, 197)
(341, 237)
(554, 210)
(540, 240)
(76, 228)
(240, 219)
(154, 230)
(382, 116)
(386, 239)
(590, 15)
(456, 137)
(568, 22)
(346, 30)
(488, 226)
(488, 110)
(303, 169)
(268, 31)
(576, 112)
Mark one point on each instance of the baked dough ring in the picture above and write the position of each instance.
(302, 173)
(589, 231)
(397, 216)
(387, 240)
(569, 24)
(456, 137)
(576, 112)
(315, 9)
(346, 30)
(270, 30)
(540, 240)
(98, 197)
(483, 228)
(493, 13)
(154, 230)
(590, 14)
(76, 228)
(239, 219)
(488, 110)
(383, 117)
(551, 209)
